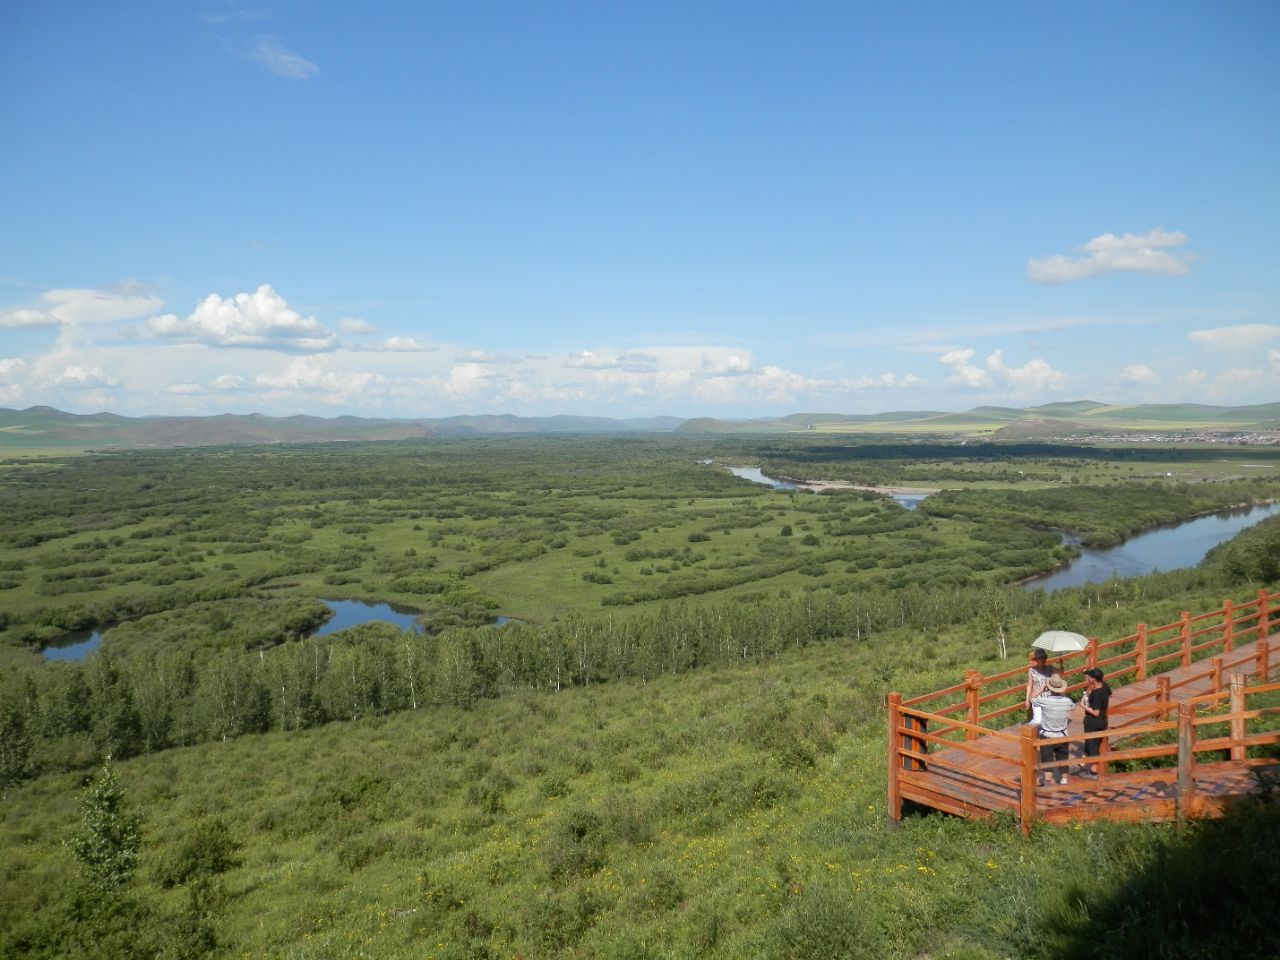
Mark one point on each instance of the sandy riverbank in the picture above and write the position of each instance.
(817, 486)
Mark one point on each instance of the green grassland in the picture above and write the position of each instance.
(677, 752)
(721, 812)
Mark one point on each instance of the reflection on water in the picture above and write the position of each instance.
(1165, 548)
(352, 613)
(346, 613)
(755, 475)
(74, 646)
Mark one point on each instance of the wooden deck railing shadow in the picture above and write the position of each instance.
(980, 768)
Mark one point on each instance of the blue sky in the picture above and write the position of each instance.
(725, 209)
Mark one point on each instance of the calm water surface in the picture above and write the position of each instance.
(1165, 548)
(352, 613)
(756, 475)
(346, 613)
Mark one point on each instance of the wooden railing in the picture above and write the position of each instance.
(979, 700)
(998, 769)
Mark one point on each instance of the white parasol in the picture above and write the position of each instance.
(1061, 641)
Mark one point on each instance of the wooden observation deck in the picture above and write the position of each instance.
(1188, 732)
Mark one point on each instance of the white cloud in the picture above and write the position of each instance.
(228, 381)
(963, 372)
(28, 318)
(405, 345)
(466, 379)
(83, 379)
(10, 367)
(356, 325)
(1034, 376)
(589, 360)
(1240, 336)
(284, 63)
(484, 356)
(258, 319)
(1139, 374)
(1142, 253)
(731, 364)
(121, 301)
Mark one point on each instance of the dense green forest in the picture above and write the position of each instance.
(680, 762)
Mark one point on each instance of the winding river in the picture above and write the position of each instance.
(1158, 550)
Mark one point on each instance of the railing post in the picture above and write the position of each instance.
(1186, 761)
(1264, 659)
(894, 701)
(1228, 626)
(1027, 805)
(973, 685)
(1215, 674)
(1091, 653)
(1262, 628)
(1140, 648)
(1237, 721)
(1185, 617)
(1162, 690)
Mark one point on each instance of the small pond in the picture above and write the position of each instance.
(352, 613)
(346, 613)
(1172, 547)
(75, 645)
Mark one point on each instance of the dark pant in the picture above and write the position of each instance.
(1093, 747)
(1051, 752)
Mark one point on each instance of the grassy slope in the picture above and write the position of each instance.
(726, 813)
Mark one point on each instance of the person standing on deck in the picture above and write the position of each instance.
(1038, 675)
(1050, 712)
(1097, 697)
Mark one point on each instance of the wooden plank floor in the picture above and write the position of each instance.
(1142, 794)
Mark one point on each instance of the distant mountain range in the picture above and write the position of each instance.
(45, 427)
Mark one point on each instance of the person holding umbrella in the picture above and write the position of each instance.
(1057, 641)
(1038, 675)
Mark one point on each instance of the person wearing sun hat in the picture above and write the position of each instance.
(1050, 711)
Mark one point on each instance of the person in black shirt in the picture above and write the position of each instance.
(1096, 699)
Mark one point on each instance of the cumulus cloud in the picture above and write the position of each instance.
(1245, 335)
(963, 372)
(356, 325)
(732, 364)
(84, 378)
(228, 381)
(283, 63)
(11, 367)
(1138, 374)
(258, 319)
(465, 379)
(1141, 253)
(1034, 376)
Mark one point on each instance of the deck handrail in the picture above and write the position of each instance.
(921, 727)
(1151, 647)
